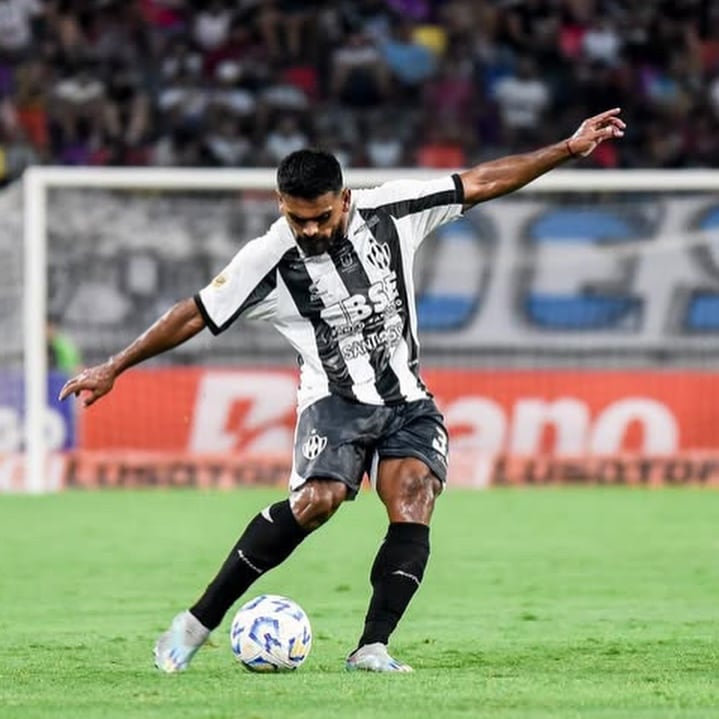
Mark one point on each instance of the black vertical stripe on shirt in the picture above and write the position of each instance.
(354, 277)
(263, 288)
(298, 282)
(384, 230)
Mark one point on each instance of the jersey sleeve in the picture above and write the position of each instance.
(246, 287)
(426, 204)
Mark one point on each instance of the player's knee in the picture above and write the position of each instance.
(418, 484)
(316, 501)
(411, 492)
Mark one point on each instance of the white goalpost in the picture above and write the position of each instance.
(38, 181)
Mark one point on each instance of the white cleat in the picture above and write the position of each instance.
(176, 647)
(374, 658)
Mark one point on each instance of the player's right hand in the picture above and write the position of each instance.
(595, 130)
(94, 382)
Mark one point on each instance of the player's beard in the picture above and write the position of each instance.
(318, 244)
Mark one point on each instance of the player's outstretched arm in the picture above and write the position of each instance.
(181, 322)
(499, 177)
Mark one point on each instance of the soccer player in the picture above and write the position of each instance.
(334, 275)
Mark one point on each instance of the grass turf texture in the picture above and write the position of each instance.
(537, 603)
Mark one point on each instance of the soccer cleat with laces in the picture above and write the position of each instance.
(176, 647)
(374, 658)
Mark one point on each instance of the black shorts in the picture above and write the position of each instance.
(343, 440)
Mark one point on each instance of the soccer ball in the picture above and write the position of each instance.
(271, 634)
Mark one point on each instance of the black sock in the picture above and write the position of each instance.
(266, 542)
(396, 575)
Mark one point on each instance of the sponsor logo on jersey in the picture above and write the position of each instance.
(382, 298)
(377, 314)
(387, 337)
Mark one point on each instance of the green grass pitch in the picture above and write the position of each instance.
(552, 603)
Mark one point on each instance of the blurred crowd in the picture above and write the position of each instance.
(382, 83)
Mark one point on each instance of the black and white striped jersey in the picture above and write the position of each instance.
(349, 312)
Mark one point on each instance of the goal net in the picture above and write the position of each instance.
(569, 331)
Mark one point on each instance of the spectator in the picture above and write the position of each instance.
(410, 63)
(282, 93)
(165, 16)
(18, 153)
(243, 52)
(385, 147)
(531, 27)
(178, 59)
(601, 43)
(66, 24)
(703, 140)
(665, 143)
(415, 10)
(443, 149)
(31, 103)
(178, 147)
(371, 18)
(211, 26)
(522, 100)
(184, 102)
(594, 84)
(16, 26)
(127, 108)
(63, 354)
(713, 95)
(339, 147)
(200, 69)
(464, 20)
(228, 94)
(225, 143)
(79, 104)
(284, 25)
(451, 95)
(359, 75)
(114, 35)
(285, 137)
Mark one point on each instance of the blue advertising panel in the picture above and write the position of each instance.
(59, 419)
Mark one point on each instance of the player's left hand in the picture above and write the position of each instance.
(593, 130)
(92, 383)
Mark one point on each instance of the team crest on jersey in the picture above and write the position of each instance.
(313, 445)
(378, 254)
(219, 281)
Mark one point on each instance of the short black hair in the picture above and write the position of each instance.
(309, 173)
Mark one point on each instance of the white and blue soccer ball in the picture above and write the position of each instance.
(271, 633)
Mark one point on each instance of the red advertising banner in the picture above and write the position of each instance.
(193, 409)
(133, 469)
(506, 427)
